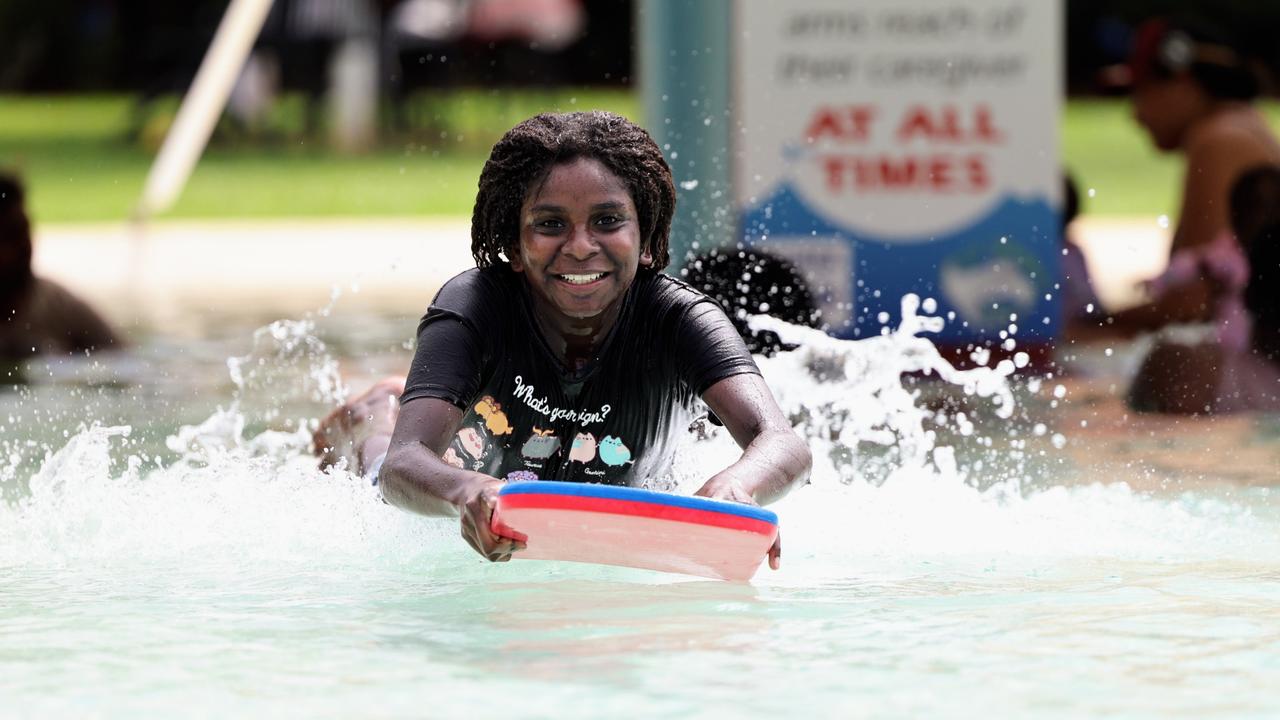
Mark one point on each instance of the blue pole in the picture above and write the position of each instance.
(684, 79)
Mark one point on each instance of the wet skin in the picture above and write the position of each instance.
(579, 250)
(1165, 108)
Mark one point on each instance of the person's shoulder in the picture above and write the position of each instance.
(1240, 134)
(61, 314)
(49, 297)
(477, 284)
(669, 304)
(667, 292)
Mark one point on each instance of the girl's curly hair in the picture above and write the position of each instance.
(528, 151)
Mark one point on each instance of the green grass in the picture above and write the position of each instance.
(1106, 151)
(80, 165)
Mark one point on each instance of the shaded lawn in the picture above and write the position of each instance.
(1104, 150)
(80, 163)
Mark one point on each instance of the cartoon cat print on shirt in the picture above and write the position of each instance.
(494, 418)
(541, 445)
(584, 448)
(613, 452)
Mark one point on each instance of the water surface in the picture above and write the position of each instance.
(168, 547)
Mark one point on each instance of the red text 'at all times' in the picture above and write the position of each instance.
(942, 148)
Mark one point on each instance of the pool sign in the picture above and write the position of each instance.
(905, 146)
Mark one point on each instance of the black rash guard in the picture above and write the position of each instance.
(528, 417)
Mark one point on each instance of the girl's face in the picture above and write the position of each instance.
(579, 240)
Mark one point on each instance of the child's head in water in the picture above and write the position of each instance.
(750, 281)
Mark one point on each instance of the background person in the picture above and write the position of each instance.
(38, 316)
(1239, 368)
(1192, 92)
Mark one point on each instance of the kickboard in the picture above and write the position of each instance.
(609, 525)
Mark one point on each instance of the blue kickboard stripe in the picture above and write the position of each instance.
(614, 492)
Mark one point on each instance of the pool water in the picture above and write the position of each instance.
(969, 544)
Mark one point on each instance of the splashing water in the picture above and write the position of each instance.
(853, 396)
(231, 576)
(285, 351)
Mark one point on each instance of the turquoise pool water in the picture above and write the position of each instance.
(167, 548)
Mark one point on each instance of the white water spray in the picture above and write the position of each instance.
(244, 486)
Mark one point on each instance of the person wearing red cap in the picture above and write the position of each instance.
(1192, 92)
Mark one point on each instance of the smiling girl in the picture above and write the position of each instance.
(566, 328)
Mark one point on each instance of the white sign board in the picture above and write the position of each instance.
(895, 146)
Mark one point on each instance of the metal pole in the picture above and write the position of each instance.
(202, 105)
(684, 78)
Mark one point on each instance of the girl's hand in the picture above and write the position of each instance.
(722, 487)
(476, 516)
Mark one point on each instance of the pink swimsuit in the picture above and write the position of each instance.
(1223, 262)
(1246, 380)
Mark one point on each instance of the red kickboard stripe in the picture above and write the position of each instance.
(641, 509)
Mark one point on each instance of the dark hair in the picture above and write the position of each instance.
(1166, 47)
(1260, 295)
(1255, 219)
(15, 242)
(529, 150)
(1255, 203)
